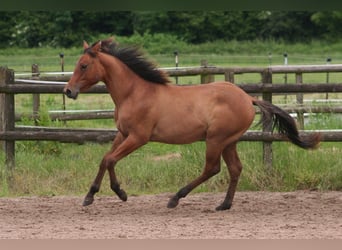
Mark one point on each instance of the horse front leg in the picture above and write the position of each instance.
(121, 148)
(95, 187)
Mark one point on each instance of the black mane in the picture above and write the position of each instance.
(136, 60)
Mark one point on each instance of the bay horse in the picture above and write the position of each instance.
(148, 107)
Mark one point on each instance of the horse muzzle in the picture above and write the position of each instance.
(70, 93)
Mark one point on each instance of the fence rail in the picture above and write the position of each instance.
(19, 88)
(109, 114)
(81, 136)
(9, 87)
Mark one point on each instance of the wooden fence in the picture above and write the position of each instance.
(9, 87)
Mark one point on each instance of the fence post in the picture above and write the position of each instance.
(175, 53)
(299, 97)
(61, 55)
(206, 78)
(7, 116)
(35, 97)
(328, 62)
(285, 76)
(267, 146)
(229, 76)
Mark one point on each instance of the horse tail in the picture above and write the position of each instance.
(285, 124)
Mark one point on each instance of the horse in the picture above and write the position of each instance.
(148, 107)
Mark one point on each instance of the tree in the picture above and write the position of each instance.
(31, 30)
(61, 28)
(71, 27)
(6, 28)
(292, 26)
(68, 28)
(329, 23)
(199, 26)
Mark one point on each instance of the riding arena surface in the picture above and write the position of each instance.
(254, 215)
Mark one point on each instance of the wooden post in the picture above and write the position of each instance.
(299, 96)
(328, 62)
(7, 117)
(229, 76)
(176, 63)
(35, 97)
(206, 78)
(285, 76)
(267, 146)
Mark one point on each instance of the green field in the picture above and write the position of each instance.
(51, 168)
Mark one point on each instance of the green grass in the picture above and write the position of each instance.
(161, 49)
(51, 168)
(47, 168)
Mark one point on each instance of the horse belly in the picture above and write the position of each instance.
(178, 131)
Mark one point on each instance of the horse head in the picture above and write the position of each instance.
(88, 70)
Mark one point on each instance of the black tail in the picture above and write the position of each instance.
(285, 124)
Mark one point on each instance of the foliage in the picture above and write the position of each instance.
(329, 21)
(7, 28)
(41, 147)
(199, 26)
(67, 28)
(290, 26)
(63, 28)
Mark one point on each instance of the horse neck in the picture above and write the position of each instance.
(120, 80)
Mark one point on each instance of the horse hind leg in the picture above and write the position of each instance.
(212, 167)
(114, 184)
(234, 165)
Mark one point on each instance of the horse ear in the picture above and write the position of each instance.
(97, 47)
(85, 45)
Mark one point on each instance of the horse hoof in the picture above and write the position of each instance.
(173, 202)
(122, 195)
(87, 201)
(223, 207)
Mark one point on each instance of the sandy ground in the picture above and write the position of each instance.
(254, 215)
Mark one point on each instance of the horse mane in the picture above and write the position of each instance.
(136, 60)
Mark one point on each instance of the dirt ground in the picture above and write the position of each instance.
(254, 215)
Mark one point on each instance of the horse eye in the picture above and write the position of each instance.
(84, 67)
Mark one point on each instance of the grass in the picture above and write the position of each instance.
(51, 168)
(45, 168)
(161, 48)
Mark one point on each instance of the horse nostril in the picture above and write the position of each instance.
(68, 93)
